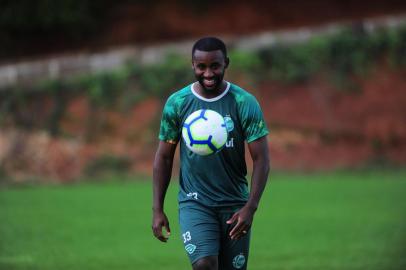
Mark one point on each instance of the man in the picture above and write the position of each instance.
(216, 209)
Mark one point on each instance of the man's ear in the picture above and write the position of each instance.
(227, 61)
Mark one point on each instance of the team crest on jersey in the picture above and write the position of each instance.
(239, 261)
(229, 123)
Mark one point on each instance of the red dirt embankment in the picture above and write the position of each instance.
(318, 127)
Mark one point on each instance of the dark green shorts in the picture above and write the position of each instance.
(204, 232)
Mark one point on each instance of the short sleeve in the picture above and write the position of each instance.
(169, 130)
(252, 119)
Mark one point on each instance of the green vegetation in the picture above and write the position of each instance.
(341, 220)
(352, 51)
(339, 57)
(108, 164)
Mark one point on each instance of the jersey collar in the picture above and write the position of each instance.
(209, 99)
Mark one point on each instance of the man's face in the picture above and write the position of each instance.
(209, 68)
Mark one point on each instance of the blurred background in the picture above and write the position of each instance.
(83, 83)
(82, 87)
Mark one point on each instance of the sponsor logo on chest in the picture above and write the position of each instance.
(230, 127)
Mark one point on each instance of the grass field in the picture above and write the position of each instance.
(341, 220)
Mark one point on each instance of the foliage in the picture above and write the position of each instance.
(3, 174)
(162, 78)
(245, 60)
(350, 53)
(58, 92)
(107, 164)
(295, 63)
(397, 46)
(103, 89)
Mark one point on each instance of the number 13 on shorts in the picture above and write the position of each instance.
(186, 237)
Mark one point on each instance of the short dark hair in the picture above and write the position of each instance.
(208, 44)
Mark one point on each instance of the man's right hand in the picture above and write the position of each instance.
(159, 220)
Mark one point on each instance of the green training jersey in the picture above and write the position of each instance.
(218, 179)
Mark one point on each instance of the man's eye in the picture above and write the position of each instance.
(215, 66)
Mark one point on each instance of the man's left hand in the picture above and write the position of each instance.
(243, 219)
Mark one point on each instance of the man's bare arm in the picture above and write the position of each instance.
(161, 177)
(260, 157)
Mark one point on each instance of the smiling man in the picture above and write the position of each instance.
(216, 208)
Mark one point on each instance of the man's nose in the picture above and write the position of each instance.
(208, 73)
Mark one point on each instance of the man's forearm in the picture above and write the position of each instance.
(161, 177)
(258, 182)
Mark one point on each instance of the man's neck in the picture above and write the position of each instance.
(210, 93)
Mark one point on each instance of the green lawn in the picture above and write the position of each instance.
(341, 220)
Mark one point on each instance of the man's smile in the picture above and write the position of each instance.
(209, 82)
